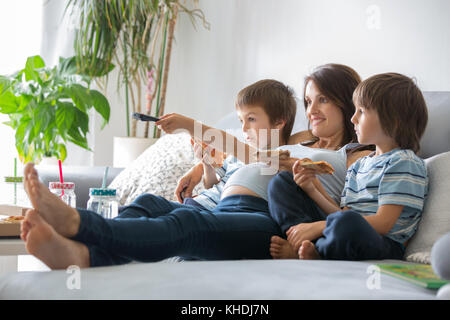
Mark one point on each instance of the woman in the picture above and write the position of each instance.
(220, 234)
(329, 107)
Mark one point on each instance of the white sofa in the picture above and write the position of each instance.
(261, 279)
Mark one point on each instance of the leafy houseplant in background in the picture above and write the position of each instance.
(135, 35)
(48, 107)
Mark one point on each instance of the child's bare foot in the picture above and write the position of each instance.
(43, 242)
(281, 249)
(308, 251)
(63, 218)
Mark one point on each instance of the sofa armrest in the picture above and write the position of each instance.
(84, 178)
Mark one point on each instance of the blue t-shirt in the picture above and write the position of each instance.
(396, 177)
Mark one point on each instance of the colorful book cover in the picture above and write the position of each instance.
(419, 274)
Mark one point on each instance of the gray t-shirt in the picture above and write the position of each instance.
(256, 176)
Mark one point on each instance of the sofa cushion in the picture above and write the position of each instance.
(157, 170)
(436, 214)
(218, 280)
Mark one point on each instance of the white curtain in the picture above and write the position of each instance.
(21, 25)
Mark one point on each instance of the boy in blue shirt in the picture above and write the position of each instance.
(384, 192)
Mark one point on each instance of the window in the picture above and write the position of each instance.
(21, 25)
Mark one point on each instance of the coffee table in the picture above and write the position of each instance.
(10, 249)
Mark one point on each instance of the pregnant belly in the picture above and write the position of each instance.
(233, 190)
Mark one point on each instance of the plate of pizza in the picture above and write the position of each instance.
(10, 226)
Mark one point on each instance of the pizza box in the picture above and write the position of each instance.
(10, 229)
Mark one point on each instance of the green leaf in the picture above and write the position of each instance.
(101, 105)
(76, 138)
(29, 132)
(67, 66)
(20, 132)
(42, 116)
(62, 152)
(8, 103)
(79, 95)
(81, 121)
(64, 116)
(33, 63)
(5, 84)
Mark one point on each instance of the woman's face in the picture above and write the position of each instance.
(325, 118)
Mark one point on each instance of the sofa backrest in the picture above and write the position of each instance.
(436, 138)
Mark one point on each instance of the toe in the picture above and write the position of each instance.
(277, 240)
(32, 217)
(29, 169)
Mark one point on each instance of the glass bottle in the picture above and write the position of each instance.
(104, 202)
(13, 192)
(66, 191)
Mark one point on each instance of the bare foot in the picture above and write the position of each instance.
(308, 251)
(43, 242)
(281, 249)
(63, 218)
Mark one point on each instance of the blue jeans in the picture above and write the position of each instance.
(348, 236)
(289, 205)
(153, 228)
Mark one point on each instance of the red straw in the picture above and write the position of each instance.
(61, 176)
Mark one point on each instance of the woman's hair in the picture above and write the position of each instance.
(400, 106)
(337, 82)
(277, 100)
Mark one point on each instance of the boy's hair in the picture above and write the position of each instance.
(399, 104)
(277, 100)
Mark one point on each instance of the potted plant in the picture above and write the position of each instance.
(136, 37)
(48, 107)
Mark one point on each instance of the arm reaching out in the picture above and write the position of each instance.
(217, 139)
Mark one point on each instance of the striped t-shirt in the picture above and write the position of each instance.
(396, 177)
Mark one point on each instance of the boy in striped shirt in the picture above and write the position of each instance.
(384, 193)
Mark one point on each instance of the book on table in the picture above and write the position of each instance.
(419, 274)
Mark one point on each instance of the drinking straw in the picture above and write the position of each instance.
(104, 178)
(15, 184)
(61, 176)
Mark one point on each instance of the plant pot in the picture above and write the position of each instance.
(49, 161)
(127, 149)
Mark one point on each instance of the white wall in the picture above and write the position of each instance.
(284, 39)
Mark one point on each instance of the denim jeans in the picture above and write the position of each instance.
(289, 205)
(153, 228)
(348, 236)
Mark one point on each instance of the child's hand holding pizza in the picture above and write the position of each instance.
(304, 177)
(207, 154)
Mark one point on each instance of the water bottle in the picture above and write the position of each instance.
(104, 202)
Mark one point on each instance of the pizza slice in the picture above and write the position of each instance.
(321, 167)
(13, 219)
(217, 158)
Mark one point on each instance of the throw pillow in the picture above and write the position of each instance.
(157, 170)
(436, 214)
